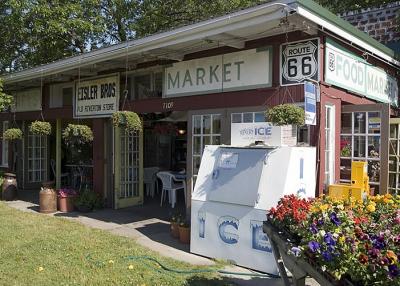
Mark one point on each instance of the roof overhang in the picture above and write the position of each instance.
(229, 30)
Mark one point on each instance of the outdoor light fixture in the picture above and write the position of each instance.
(181, 131)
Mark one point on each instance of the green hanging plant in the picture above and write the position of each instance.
(41, 128)
(285, 114)
(12, 134)
(128, 120)
(77, 134)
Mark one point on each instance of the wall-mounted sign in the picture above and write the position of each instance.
(299, 61)
(96, 97)
(310, 103)
(27, 100)
(346, 70)
(245, 134)
(235, 71)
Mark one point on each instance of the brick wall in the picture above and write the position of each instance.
(379, 22)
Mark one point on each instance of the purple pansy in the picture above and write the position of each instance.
(313, 245)
(327, 256)
(334, 218)
(393, 271)
(329, 240)
(313, 228)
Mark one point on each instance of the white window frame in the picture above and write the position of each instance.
(41, 160)
(4, 147)
(129, 177)
(330, 153)
(56, 91)
(242, 115)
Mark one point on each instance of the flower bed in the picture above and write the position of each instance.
(347, 239)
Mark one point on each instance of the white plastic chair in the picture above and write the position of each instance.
(150, 180)
(171, 186)
(64, 176)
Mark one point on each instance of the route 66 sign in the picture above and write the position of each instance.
(299, 61)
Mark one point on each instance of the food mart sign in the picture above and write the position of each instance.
(234, 71)
(346, 70)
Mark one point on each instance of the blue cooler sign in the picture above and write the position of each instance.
(310, 104)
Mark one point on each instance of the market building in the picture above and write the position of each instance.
(191, 84)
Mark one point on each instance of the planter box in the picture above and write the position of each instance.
(298, 266)
(66, 204)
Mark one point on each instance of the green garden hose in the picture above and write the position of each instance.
(191, 271)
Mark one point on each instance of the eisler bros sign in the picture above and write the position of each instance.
(97, 97)
(299, 61)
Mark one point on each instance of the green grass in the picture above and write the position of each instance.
(29, 241)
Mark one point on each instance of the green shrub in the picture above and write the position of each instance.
(12, 134)
(89, 199)
(128, 120)
(77, 134)
(285, 114)
(42, 128)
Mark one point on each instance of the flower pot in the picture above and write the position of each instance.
(174, 230)
(9, 189)
(65, 204)
(184, 234)
(47, 199)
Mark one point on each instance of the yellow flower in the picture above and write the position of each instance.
(371, 208)
(324, 207)
(341, 239)
(40, 269)
(392, 256)
(130, 267)
(110, 261)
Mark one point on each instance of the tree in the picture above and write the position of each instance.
(5, 99)
(340, 6)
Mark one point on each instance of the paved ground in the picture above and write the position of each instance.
(148, 225)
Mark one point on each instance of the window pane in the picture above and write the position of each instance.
(393, 130)
(374, 168)
(197, 124)
(393, 164)
(158, 84)
(236, 118)
(359, 146)
(216, 140)
(248, 117)
(216, 124)
(359, 122)
(393, 147)
(206, 141)
(196, 145)
(374, 123)
(206, 124)
(345, 169)
(196, 164)
(392, 181)
(67, 94)
(373, 146)
(142, 86)
(345, 146)
(346, 123)
(259, 117)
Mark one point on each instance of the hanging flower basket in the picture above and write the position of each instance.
(285, 114)
(128, 120)
(12, 134)
(41, 128)
(77, 134)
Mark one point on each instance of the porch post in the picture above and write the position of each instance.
(58, 153)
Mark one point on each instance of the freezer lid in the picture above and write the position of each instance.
(235, 176)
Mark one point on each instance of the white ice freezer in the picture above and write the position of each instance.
(234, 188)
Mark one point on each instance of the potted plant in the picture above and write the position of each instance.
(41, 128)
(175, 226)
(184, 232)
(66, 199)
(77, 134)
(12, 134)
(286, 114)
(87, 201)
(128, 120)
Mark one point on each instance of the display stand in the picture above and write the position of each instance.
(298, 267)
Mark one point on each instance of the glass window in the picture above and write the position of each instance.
(248, 117)
(359, 122)
(67, 95)
(259, 117)
(346, 123)
(142, 86)
(359, 146)
(236, 118)
(37, 158)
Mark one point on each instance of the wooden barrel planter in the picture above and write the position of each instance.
(48, 198)
(9, 188)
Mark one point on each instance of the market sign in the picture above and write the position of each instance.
(96, 97)
(310, 103)
(245, 134)
(299, 61)
(235, 71)
(349, 71)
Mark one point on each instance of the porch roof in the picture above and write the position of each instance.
(231, 30)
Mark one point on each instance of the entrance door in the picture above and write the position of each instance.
(128, 169)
